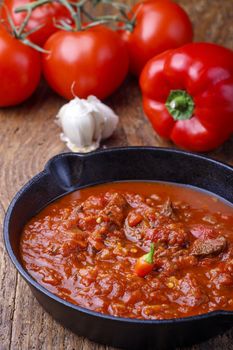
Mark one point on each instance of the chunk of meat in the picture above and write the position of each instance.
(141, 220)
(115, 210)
(96, 240)
(136, 201)
(207, 247)
(139, 227)
(167, 209)
(158, 224)
(93, 204)
(222, 275)
(109, 220)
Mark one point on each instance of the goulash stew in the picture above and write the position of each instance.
(135, 249)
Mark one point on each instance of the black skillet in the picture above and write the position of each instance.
(67, 172)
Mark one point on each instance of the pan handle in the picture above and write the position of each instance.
(66, 169)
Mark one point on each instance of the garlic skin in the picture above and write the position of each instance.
(85, 122)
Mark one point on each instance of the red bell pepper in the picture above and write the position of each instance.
(188, 95)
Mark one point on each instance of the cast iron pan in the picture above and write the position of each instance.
(67, 172)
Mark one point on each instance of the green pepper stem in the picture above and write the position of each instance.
(149, 256)
(180, 105)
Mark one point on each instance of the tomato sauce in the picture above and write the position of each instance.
(84, 247)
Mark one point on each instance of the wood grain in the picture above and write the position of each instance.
(29, 137)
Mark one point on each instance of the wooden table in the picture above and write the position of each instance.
(29, 137)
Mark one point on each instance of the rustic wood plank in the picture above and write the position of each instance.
(29, 137)
(212, 20)
(8, 281)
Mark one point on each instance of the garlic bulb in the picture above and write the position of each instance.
(85, 122)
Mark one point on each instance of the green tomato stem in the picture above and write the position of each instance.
(32, 5)
(74, 14)
(76, 8)
(87, 14)
(24, 23)
(20, 32)
(34, 46)
(123, 10)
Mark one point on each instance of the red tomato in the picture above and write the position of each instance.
(20, 70)
(160, 25)
(44, 15)
(89, 62)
